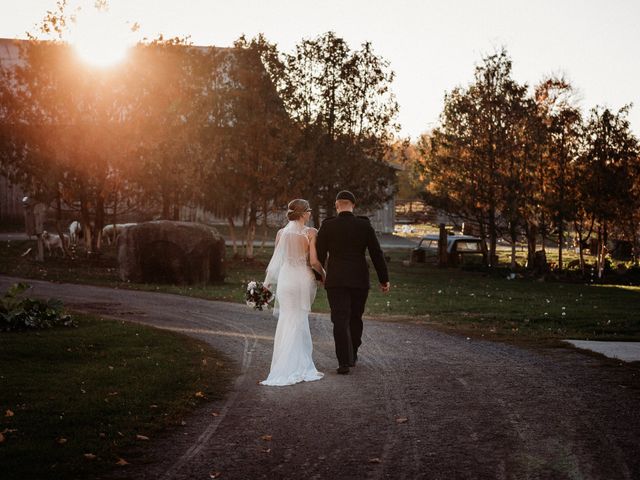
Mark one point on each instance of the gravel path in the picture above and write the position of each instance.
(420, 404)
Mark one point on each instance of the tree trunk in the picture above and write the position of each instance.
(514, 237)
(176, 206)
(87, 229)
(251, 232)
(483, 236)
(492, 237)
(96, 241)
(59, 224)
(532, 233)
(114, 217)
(560, 242)
(602, 249)
(232, 234)
(543, 233)
(114, 220)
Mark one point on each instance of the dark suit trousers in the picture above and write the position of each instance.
(347, 307)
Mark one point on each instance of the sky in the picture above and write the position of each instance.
(432, 46)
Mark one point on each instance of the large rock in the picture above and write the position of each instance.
(170, 252)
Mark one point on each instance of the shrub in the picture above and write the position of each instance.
(21, 313)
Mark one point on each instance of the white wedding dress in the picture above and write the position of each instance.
(295, 289)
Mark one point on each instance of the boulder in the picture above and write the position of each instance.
(163, 251)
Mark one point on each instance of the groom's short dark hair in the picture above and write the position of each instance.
(346, 195)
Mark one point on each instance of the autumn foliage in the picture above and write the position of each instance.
(528, 165)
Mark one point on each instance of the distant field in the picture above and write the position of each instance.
(470, 301)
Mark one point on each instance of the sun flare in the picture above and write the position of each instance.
(101, 39)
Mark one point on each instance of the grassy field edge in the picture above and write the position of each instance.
(76, 401)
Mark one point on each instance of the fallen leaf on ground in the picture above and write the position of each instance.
(120, 434)
(266, 438)
(9, 413)
(61, 440)
(215, 475)
(214, 414)
(402, 420)
(375, 460)
(89, 456)
(153, 406)
(122, 462)
(1, 438)
(199, 395)
(142, 437)
(266, 450)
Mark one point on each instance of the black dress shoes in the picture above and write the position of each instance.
(343, 369)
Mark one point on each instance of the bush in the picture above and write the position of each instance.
(21, 313)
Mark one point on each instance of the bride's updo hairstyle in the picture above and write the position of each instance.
(297, 208)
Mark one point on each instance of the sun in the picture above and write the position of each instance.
(101, 39)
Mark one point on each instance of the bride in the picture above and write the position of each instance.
(290, 272)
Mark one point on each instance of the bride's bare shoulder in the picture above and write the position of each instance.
(312, 232)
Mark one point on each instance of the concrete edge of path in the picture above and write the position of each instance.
(625, 351)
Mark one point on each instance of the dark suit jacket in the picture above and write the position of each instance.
(345, 238)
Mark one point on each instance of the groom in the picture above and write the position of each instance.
(345, 238)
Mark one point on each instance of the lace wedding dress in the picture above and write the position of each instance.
(289, 270)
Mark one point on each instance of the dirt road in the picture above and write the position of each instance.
(420, 404)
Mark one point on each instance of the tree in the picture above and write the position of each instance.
(563, 123)
(65, 125)
(247, 164)
(474, 160)
(340, 100)
(535, 212)
(610, 172)
(83, 136)
(65, 119)
(164, 109)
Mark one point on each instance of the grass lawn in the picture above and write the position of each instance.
(471, 302)
(73, 400)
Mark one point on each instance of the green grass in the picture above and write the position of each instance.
(468, 301)
(493, 305)
(97, 387)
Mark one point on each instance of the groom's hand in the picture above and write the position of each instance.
(385, 287)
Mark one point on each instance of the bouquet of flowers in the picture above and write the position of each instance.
(257, 295)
